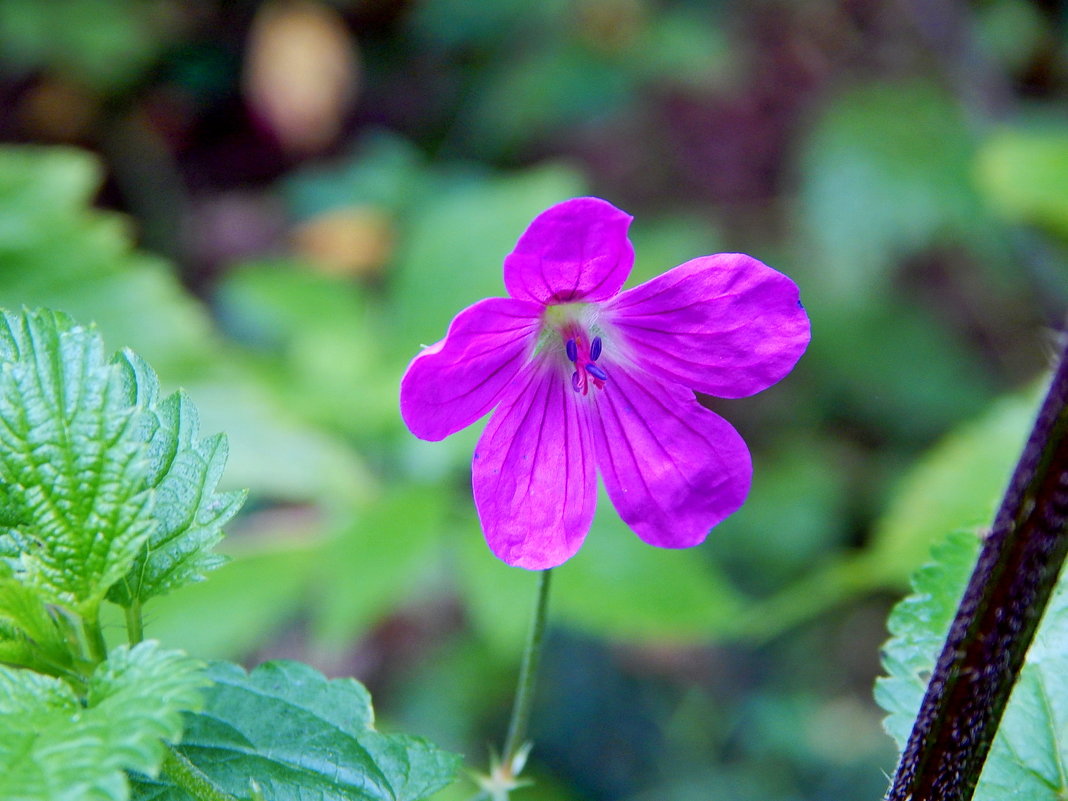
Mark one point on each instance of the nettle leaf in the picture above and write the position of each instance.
(1026, 755)
(301, 736)
(71, 461)
(184, 471)
(32, 634)
(55, 747)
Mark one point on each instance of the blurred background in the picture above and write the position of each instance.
(276, 203)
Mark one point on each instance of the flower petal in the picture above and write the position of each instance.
(533, 472)
(457, 380)
(672, 468)
(574, 251)
(727, 324)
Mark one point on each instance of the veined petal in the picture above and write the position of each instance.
(533, 473)
(457, 380)
(574, 251)
(727, 324)
(672, 468)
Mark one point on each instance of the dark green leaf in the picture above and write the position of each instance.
(301, 736)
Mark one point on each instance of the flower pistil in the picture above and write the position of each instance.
(585, 360)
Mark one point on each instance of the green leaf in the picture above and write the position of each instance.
(456, 244)
(58, 252)
(107, 43)
(55, 746)
(319, 334)
(388, 543)
(1029, 751)
(259, 589)
(184, 471)
(300, 735)
(955, 485)
(885, 171)
(71, 458)
(32, 634)
(1024, 175)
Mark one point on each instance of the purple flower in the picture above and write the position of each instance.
(586, 378)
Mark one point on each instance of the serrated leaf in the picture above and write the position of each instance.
(55, 747)
(184, 470)
(300, 735)
(1030, 749)
(71, 460)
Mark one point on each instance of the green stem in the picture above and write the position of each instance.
(135, 629)
(94, 635)
(528, 673)
(190, 778)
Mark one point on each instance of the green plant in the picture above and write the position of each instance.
(108, 496)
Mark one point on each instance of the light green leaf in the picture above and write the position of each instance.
(389, 544)
(954, 486)
(56, 251)
(71, 458)
(55, 747)
(184, 471)
(260, 590)
(885, 171)
(1028, 755)
(320, 336)
(1024, 174)
(32, 634)
(456, 244)
(301, 736)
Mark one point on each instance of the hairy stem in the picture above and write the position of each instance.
(135, 629)
(528, 673)
(191, 778)
(997, 617)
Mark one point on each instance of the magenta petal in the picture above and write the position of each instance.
(727, 324)
(457, 380)
(533, 472)
(574, 251)
(672, 468)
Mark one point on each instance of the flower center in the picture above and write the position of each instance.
(584, 356)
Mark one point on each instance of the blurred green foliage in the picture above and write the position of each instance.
(831, 140)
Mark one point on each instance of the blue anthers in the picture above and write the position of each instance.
(596, 371)
(583, 354)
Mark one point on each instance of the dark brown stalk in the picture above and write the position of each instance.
(996, 621)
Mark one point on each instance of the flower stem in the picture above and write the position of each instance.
(528, 672)
(135, 629)
(190, 778)
(1008, 591)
